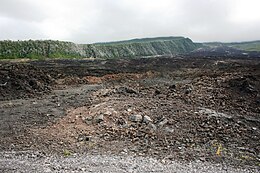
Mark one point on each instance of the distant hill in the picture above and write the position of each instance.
(233, 49)
(247, 46)
(144, 47)
(130, 48)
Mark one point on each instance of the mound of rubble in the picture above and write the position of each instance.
(20, 81)
(173, 121)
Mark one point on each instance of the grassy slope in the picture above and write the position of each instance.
(247, 46)
(141, 40)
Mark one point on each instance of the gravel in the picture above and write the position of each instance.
(38, 162)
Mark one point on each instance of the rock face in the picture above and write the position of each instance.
(145, 47)
(131, 48)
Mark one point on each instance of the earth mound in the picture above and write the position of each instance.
(21, 80)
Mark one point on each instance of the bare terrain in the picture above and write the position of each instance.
(170, 111)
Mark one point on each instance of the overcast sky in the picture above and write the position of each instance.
(88, 21)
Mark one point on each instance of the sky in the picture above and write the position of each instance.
(89, 21)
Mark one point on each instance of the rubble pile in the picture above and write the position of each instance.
(21, 81)
(193, 109)
(182, 121)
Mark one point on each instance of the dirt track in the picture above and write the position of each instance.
(190, 109)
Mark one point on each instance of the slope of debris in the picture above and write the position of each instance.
(21, 81)
(194, 118)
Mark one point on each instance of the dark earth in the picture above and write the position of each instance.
(172, 108)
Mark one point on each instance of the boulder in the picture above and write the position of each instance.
(162, 123)
(99, 118)
(147, 119)
(136, 118)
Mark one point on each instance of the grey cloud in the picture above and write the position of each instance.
(22, 10)
(18, 30)
(86, 21)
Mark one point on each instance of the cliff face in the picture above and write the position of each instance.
(130, 48)
(145, 48)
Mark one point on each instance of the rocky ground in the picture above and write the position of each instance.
(39, 162)
(176, 110)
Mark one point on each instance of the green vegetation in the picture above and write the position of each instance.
(40, 49)
(131, 48)
(66, 153)
(142, 40)
(247, 46)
